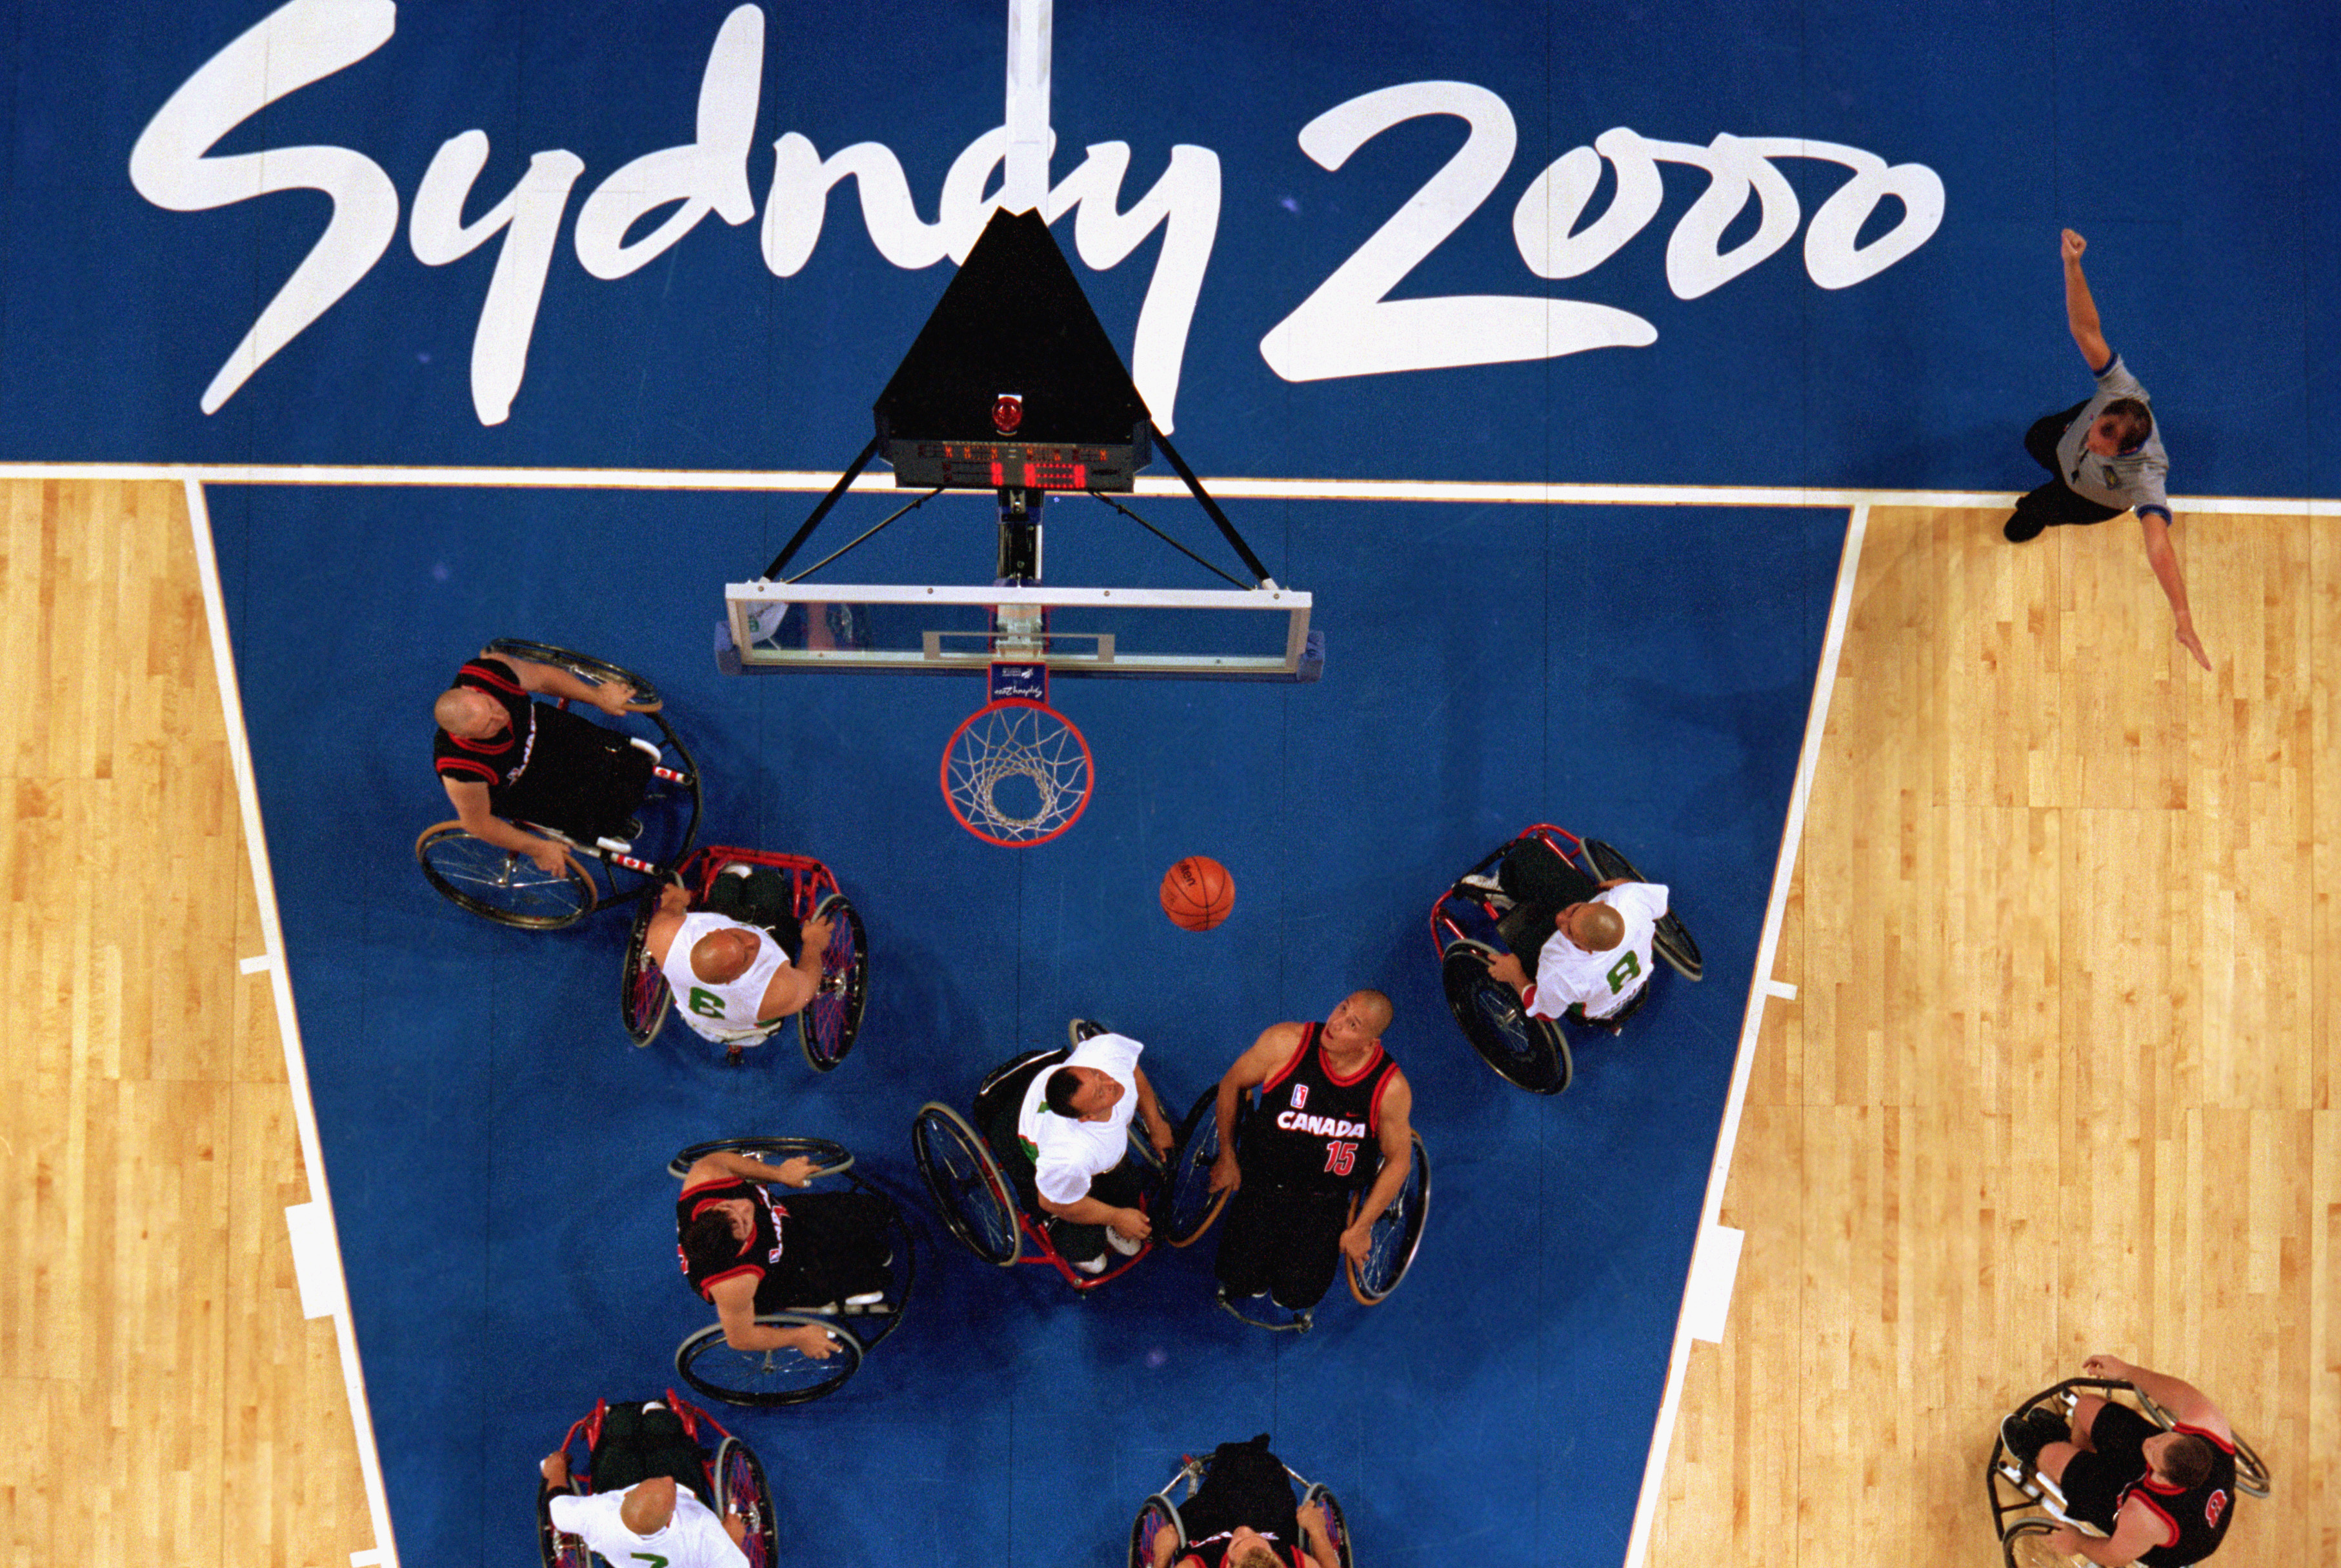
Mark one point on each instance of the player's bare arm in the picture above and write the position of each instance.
(1267, 1054)
(1150, 1108)
(1398, 1158)
(735, 1309)
(470, 800)
(612, 697)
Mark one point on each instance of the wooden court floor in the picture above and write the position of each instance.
(2059, 1076)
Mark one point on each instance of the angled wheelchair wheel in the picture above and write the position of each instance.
(766, 1378)
(741, 1488)
(499, 884)
(1397, 1233)
(558, 1548)
(1671, 940)
(967, 1183)
(832, 1019)
(2026, 1545)
(1157, 1513)
(1525, 1050)
(829, 1159)
(1191, 1205)
(644, 998)
(600, 671)
(1335, 1526)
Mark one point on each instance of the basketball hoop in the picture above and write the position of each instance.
(1016, 771)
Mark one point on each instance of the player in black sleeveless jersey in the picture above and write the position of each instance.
(2162, 1498)
(748, 1253)
(1242, 1516)
(501, 754)
(1332, 1107)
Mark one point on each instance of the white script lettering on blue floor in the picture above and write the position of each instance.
(1350, 326)
(1347, 326)
(304, 41)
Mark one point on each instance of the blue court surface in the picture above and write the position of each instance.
(1789, 245)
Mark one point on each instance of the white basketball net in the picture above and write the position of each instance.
(1017, 773)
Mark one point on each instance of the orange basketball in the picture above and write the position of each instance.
(1197, 893)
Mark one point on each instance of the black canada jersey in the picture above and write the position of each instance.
(2197, 1514)
(757, 1254)
(1315, 1132)
(498, 761)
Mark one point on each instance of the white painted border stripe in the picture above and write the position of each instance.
(1637, 1545)
(321, 1274)
(1483, 493)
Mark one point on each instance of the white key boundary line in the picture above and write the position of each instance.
(1711, 1237)
(317, 1244)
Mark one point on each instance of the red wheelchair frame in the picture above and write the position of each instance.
(829, 1024)
(735, 1480)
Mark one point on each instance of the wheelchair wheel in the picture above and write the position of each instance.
(2026, 1545)
(1525, 1050)
(833, 1017)
(1396, 1234)
(974, 1196)
(558, 1547)
(599, 671)
(1335, 1526)
(1191, 1205)
(504, 886)
(829, 1159)
(1154, 1514)
(741, 1488)
(643, 996)
(1671, 940)
(767, 1377)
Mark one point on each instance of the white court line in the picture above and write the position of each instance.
(314, 1235)
(1637, 1545)
(1474, 491)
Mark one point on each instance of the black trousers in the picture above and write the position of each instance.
(2058, 504)
(583, 780)
(1122, 1187)
(636, 1444)
(1243, 1484)
(1286, 1243)
(832, 1245)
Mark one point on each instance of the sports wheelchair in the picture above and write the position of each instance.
(829, 1024)
(1161, 1511)
(1479, 917)
(508, 888)
(731, 1482)
(1189, 1207)
(787, 1376)
(996, 1219)
(2026, 1506)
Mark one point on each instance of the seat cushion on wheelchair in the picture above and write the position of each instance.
(1535, 873)
(765, 896)
(1006, 1086)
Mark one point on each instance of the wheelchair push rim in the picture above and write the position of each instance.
(767, 1378)
(829, 1159)
(1396, 1235)
(831, 1021)
(502, 885)
(959, 1171)
(644, 998)
(1336, 1525)
(1155, 1515)
(1190, 1205)
(1523, 1049)
(741, 1488)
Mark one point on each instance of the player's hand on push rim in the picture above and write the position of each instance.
(815, 932)
(1357, 1240)
(550, 858)
(797, 1171)
(1226, 1174)
(1506, 967)
(816, 1343)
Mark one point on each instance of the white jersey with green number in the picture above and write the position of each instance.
(1600, 983)
(693, 1538)
(725, 1014)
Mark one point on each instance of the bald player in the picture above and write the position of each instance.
(735, 982)
(652, 1521)
(1598, 956)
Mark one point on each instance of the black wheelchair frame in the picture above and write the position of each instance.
(829, 1024)
(2026, 1506)
(777, 1377)
(1161, 1510)
(1467, 932)
(983, 1208)
(734, 1483)
(507, 887)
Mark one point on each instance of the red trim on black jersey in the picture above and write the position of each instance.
(1374, 1112)
(503, 682)
(465, 765)
(1359, 1076)
(707, 1286)
(1307, 1039)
